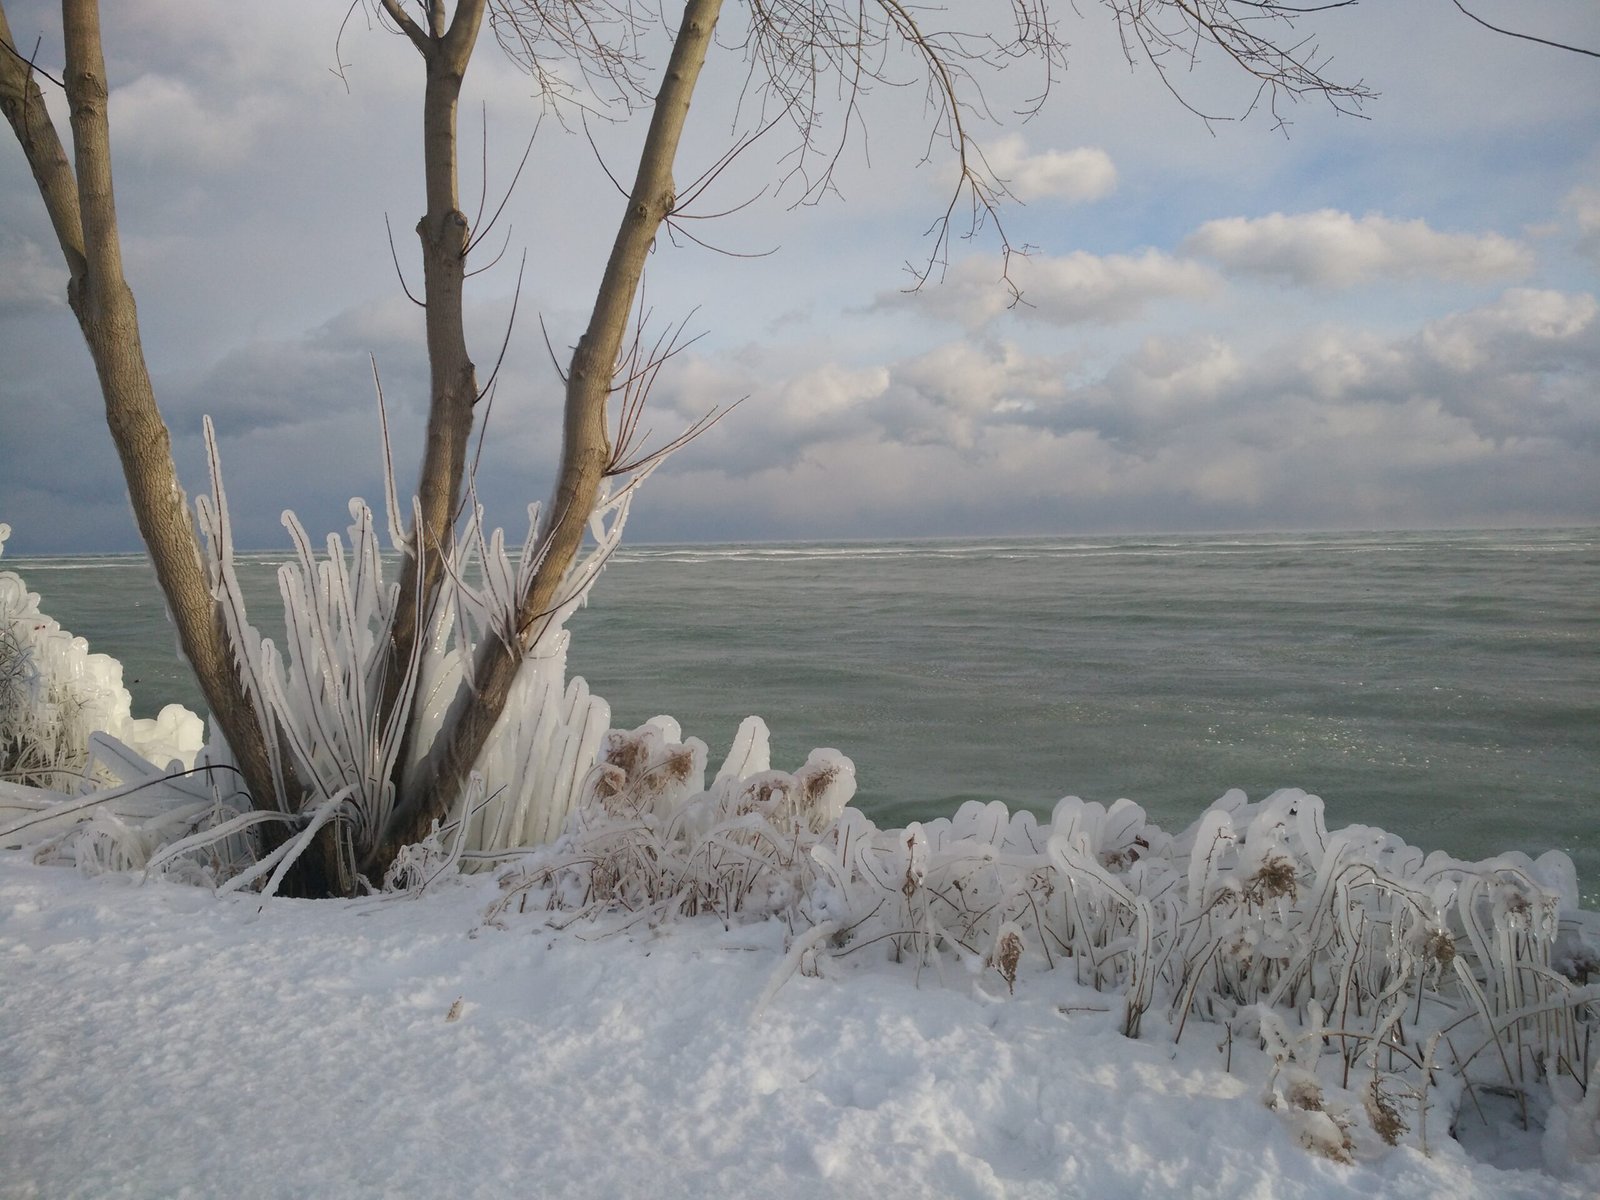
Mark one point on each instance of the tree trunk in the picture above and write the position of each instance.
(82, 209)
(453, 390)
(585, 452)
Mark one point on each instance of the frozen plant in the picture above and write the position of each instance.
(337, 759)
(649, 837)
(1382, 984)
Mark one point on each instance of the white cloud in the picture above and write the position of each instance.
(1584, 205)
(165, 120)
(1084, 173)
(1511, 331)
(1517, 371)
(1340, 362)
(1334, 426)
(976, 377)
(1070, 289)
(31, 278)
(827, 393)
(1164, 371)
(1328, 248)
(952, 393)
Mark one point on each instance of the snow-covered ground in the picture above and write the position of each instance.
(158, 1040)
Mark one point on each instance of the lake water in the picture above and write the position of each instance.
(1445, 686)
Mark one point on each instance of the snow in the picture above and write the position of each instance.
(158, 1039)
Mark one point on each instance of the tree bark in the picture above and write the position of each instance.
(585, 452)
(453, 387)
(23, 105)
(82, 209)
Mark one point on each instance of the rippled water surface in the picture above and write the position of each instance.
(1443, 685)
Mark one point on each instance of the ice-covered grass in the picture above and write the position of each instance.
(1390, 990)
(157, 1040)
(334, 756)
(334, 753)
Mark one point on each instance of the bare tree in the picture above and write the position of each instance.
(803, 55)
(586, 457)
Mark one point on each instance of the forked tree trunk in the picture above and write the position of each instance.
(585, 451)
(83, 213)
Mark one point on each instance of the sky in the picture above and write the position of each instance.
(1387, 320)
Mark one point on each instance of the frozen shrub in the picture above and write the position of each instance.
(1380, 981)
(649, 837)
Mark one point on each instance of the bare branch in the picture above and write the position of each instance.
(636, 373)
(551, 350)
(339, 64)
(1527, 37)
(546, 38)
(1261, 41)
(478, 234)
(699, 426)
(599, 158)
(394, 255)
(675, 230)
(511, 321)
(31, 62)
(505, 245)
(483, 189)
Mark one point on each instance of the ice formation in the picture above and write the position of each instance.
(318, 695)
(80, 776)
(54, 694)
(648, 835)
(321, 689)
(1384, 984)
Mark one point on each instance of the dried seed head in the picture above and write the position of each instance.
(1438, 947)
(1272, 879)
(679, 765)
(1385, 1117)
(1578, 965)
(1007, 954)
(624, 752)
(603, 880)
(908, 886)
(760, 797)
(1305, 1093)
(813, 786)
(609, 789)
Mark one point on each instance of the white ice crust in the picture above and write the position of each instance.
(76, 692)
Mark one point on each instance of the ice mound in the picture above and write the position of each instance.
(55, 693)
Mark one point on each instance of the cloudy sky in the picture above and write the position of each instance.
(1379, 322)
